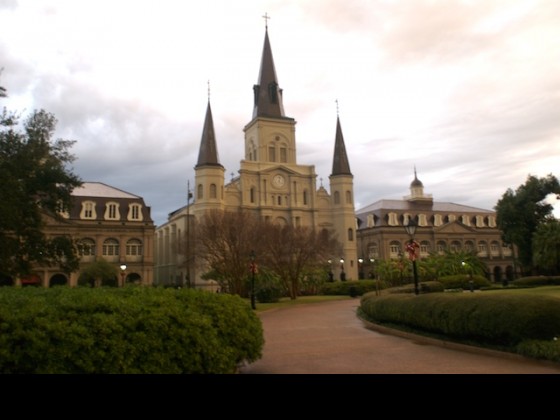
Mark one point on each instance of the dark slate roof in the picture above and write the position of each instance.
(208, 152)
(404, 205)
(341, 166)
(268, 95)
(98, 189)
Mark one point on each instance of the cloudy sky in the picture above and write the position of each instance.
(468, 91)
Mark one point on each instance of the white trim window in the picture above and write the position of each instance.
(112, 211)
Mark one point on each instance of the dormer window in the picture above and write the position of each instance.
(135, 212)
(88, 210)
(112, 211)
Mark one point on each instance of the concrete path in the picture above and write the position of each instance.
(328, 338)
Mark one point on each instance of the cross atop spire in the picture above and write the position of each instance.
(266, 18)
(208, 90)
(336, 100)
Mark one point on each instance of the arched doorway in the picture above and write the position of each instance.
(6, 280)
(31, 280)
(497, 274)
(133, 278)
(58, 280)
(509, 273)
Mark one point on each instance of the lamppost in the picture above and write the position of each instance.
(471, 282)
(123, 268)
(342, 273)
(361, 268)
(411, 248)
(331, 274)
(253, 268)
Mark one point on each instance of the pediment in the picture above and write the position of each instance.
(279, 168)
(454, 227)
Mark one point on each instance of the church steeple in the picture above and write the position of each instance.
(267, 94)
(341, 166)
(208, 152)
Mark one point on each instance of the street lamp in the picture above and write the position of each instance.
(342, 273)
(361, 268)
(331, 274)
(471, 282)
(253, 268)
(123, 268)
(410, 228)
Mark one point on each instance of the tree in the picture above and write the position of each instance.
(224, 240)
(519, 213)
(546, 247)
(291, 251)
(36, 185)
(99, 273)
(3, 93)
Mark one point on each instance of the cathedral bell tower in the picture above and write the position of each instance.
(343, 212)
(209, 173)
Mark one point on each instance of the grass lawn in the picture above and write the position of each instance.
(552, 291)
(287, 302)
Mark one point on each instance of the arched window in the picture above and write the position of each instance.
(305, 197)
(495, 248)
(252, 195)
(272, 153)
(441, 246)
(482, 249)
(469, 246)
(283, 155)
(213, 191)
(394, 249)
(86, 247)
(110, 247)
(424, 248)
(350, 234)
(134, 247)
(455, 246)
(373, 251)
(200, 191)
(336, 197)
(348, 197)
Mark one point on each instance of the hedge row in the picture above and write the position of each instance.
(535, 281)
(127, 330)
(351, 288)
(501, 320)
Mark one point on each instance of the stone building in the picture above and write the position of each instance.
(105, 222)
(441, 226)
(270, 183)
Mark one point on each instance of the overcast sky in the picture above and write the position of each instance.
(466, 91)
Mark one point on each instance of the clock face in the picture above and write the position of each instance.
(278, 181)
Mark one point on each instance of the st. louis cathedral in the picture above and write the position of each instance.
(270, 182)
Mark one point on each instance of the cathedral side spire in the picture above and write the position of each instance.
(341, 166)
(208, 152)
(267, 93)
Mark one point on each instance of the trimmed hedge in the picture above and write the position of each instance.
(496, 319)
(126, 330)
(461, 281)
(535, 281)
(351, 288)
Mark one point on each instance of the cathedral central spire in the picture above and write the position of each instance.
(268, 95)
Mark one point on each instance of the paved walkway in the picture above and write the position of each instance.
(328, 338)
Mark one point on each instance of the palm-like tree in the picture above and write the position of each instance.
(546, 247)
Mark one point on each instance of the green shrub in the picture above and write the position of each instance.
(125, 330)
(351, 288)
(497, 319)
(540, 349)
(535, 281)
(462, 281)
(423, 287)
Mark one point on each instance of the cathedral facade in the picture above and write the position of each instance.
(270, 183)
